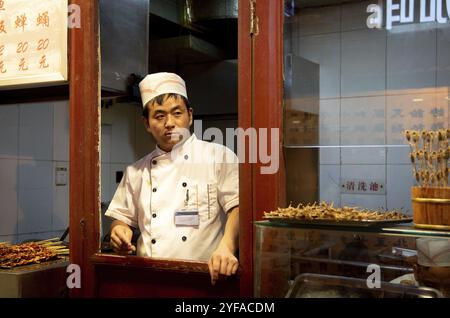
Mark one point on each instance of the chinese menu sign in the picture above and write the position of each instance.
(33, 41)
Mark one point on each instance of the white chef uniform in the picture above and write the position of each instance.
(155, 187)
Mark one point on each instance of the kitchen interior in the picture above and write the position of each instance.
(195, 39)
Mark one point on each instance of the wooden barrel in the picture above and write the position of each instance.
(431, 207)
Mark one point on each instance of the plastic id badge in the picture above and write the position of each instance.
(187, 218)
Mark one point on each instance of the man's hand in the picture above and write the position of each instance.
(222, 262)
(121, 235)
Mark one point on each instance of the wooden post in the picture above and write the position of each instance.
(84, 144)
(261, 107)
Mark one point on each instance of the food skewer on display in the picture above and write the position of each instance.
(325, 211)
(429, 157)
(31, 253)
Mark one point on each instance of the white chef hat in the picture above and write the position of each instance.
(157, 84)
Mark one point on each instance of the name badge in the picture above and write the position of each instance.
(187, 218)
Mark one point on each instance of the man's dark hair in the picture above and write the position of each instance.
(161, 98)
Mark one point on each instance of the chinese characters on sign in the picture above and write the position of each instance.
(33, 42)
(362, 186)
(417, 111)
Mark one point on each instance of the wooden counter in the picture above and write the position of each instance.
(133, 276)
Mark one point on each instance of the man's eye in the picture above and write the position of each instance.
(159, 117)
(178, 113)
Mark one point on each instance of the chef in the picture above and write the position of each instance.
(184, 195)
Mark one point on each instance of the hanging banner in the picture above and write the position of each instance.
(33, 42)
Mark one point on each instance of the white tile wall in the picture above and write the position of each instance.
(354, 15)
(368, 201)
(363, 172)
(9, 131)
(329, 123)
(36, 131)
(362, 155)
(363, 121)
(411, 57)
(329, 183)
(35, 201)
(106, 136)
(398, 155)
(363, 71)
(106, 182)
(398, 187)
(8, 195)
(35, 236)
(443, 53)
(330, 155)
(61, 130)
(105, 162)
(324, 50)
(39, 133)
(122, 119)
(312, 21)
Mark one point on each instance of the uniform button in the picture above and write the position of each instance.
(153, 241)
(154, 215)
(154, 189)
(154, 162)
(184, 184)
(186, 157)
(184, 238)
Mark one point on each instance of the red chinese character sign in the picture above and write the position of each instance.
(33, 42)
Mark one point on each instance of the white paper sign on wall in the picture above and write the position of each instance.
(360, 186)
(33, 42)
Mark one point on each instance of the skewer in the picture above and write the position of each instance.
(49, 240)
(61, 251)
(62, 247)
(50, 243)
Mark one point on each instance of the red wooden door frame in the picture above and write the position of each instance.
(260, 64)
(84, 198)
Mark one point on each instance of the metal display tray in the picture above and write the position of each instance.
(330, 222)
(329, 286)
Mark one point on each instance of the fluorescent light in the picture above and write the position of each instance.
(416, 100)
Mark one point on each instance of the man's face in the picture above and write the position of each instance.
(164, 122)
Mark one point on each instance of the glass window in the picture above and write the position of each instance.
(357, 75)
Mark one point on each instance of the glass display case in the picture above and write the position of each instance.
(293, 260)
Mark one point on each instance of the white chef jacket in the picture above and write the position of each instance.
(155, 187)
